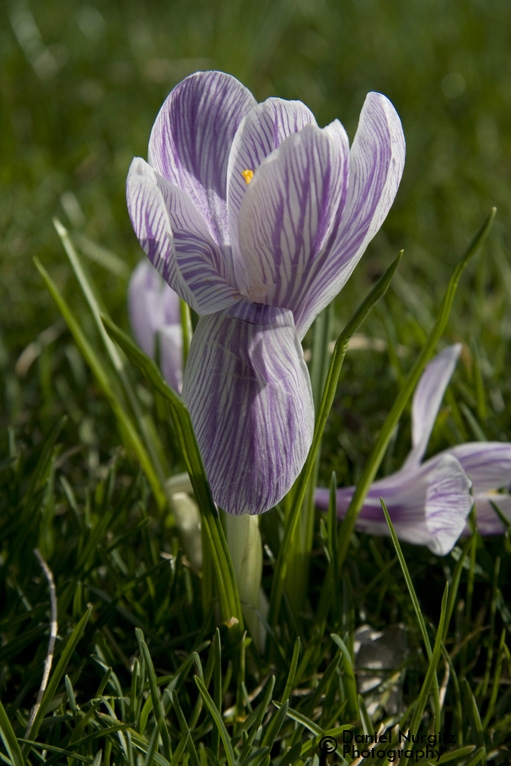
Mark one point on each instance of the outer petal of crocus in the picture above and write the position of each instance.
(376, 166)
(249, 395)
(487, 463)
(428, 398)
(191, 139)
(175, 238)
(147, 207)
(261, 132)
(428, 505)
(288, 212)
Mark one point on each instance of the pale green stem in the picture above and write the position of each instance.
(245, 547)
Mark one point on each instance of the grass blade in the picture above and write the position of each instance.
(217, 721)
(127, 428)
(59, 671)
(10, 740)
(406, 392)
(289, 544)
(224, 572)
(155, 695)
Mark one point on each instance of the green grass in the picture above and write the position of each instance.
(148, 668)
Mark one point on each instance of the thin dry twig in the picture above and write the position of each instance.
(51, 643)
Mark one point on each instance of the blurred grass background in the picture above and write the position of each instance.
(81, 84)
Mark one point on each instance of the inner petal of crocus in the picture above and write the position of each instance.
(249, 395)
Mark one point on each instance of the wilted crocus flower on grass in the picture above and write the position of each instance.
(256, 217)
(429, 502)
(155, 320)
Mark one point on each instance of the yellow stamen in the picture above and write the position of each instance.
(247, 175)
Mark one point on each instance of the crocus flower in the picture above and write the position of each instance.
(153, 309)
(256, 217)
(429, 502)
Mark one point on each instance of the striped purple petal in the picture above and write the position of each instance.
(175, 238)
(428, 398)
(249, 395)
(148, 207)
(448, 503)
(288, 211)
(261, 132)
(375, 169)
(191, 140)
(428, 505)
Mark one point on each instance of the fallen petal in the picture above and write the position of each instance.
(428, 505)
(448, 503)
(487, 463)
(487, 519)
(428, 398)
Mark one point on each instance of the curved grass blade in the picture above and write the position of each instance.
(406, 392)
(155, 695)
(224, 572)
(433, 655)
(292, 672)
(217, 721)
(289, 541)
(453, 755)
(59, 671)
(126, 426)
(90, 293)
(254, 720)
(10, 740)
(350, 680)
(180, 749)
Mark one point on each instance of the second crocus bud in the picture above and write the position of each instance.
(155, 321)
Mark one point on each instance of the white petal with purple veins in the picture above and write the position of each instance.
(176, 240)
(428, 504)
(288, 212)
(249, 395)
(192, 137)
(261, 132)
(148, 211)
(448, 503)
(375, 169)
